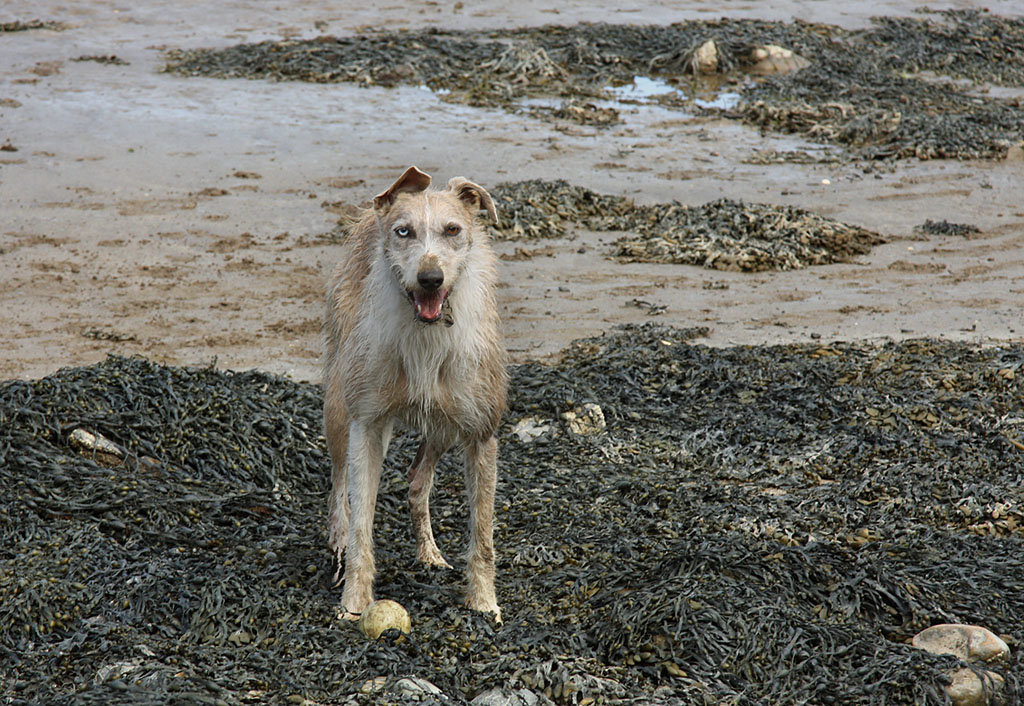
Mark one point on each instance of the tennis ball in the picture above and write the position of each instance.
(383, 615)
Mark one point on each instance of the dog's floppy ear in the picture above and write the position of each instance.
(411, 181)
(474, 196)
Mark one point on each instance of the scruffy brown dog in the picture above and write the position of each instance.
(412, 335)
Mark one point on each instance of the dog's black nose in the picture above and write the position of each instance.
(430, 279)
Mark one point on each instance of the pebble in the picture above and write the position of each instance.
(239, 638)
(705, 58)
(507, 697)
(372, 686)
(416, 688)
(773, 59)
(586, 420)
(529, 428)
(967, 642)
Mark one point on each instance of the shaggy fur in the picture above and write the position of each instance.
(412, 335)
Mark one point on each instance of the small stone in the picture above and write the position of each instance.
(383, 615)
(373, 686)
(1015, 153)
(773, 59)
(586, 420)
(974, 688)
(87, 441)
(529, 428)
(506, 697)
(967, 642)
(705, 58)
(296, 699)
(239, 638)
(416, 688)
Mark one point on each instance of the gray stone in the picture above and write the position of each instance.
(510, 697)
(416, 688)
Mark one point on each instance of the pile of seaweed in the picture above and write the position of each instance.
(23, 26)
(864, 90)
(753, 525)
(723, 234)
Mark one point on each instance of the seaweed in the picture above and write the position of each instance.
(724, 234)
(757, 524)
(863, 91)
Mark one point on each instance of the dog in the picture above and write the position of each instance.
(412, 336)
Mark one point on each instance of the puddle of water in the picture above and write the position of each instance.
(643, 88)
(727, 100)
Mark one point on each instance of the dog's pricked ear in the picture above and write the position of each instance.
(474, 196)
(411, 181)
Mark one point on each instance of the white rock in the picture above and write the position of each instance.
(506, 697)
(416, 688)
(967, 642)
(87, 441)
(705, 58)
(773, 59)
(529, 428)
(586, 420)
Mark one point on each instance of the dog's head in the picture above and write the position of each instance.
(428, 236)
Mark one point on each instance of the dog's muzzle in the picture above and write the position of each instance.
(432, 307)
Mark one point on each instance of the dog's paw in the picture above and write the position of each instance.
(484, 606)
(344, 614)
(354, 602)
(430, 555)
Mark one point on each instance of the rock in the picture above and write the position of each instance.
(239, 638)
(373, 686)
(974, 687)
(967, 642)
(87, 441)
(298, 699)
(383, 615)
(586, 420)
(773, 59)
(416, 688)
(1015, 153)
(529, 428)
(508, 697)
(705, 58)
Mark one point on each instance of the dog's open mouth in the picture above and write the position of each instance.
(429, 305)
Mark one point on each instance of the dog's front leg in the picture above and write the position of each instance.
(421, 480)
(481, 478)
(336, 430)
(366, 443)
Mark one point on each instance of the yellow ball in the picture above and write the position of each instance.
(383, 615)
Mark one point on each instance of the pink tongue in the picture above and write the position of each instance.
(428, 306)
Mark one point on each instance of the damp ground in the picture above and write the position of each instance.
(185, 218)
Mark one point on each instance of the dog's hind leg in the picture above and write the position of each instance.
(481, 478)
(336, 431)
(366, 444)
(421, 480)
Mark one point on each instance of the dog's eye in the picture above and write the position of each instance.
(403, 232)
(452, 230)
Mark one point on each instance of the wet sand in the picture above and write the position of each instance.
(185, 219)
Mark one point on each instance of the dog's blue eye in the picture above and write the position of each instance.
(403, 231)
